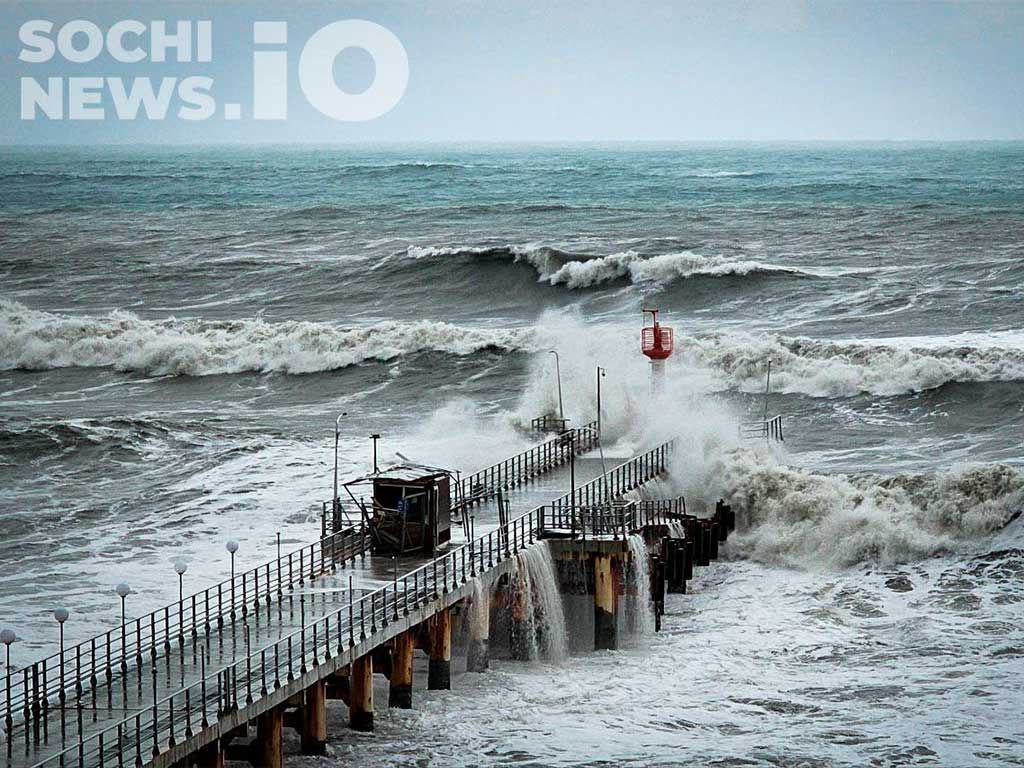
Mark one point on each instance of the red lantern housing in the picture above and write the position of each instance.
(656, 339)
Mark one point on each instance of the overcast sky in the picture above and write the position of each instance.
(546, 70)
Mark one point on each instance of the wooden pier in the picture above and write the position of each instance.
(218, 675)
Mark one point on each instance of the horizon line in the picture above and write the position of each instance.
(493, 142)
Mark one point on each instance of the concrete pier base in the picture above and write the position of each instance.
(400, 681)
(439, 672)
(479, 618)
(605, 620)
(267, 747)
(360, 708)
(314, 719)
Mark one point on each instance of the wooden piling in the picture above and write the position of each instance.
(210, 756)
(400, 680)
(704, 531)
(605, 619)
(520, 624)
(723, 524)
(267, 748)
(314, 719)
(360, 708)
(439, 671)
(479, 619)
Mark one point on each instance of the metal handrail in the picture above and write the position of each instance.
(106, 656)
(769, 429)
(612, 484)
(515, 470)
(548, 423)
(334, 633)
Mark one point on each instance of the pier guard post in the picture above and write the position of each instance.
(400, 687)
(314, 719)
(605, 622)
(478, 652)
(439, 673)
(360, 707)
(267, 752)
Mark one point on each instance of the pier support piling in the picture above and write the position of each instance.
(267, 748)
(210, 756)
(314, 719)
(400, 681)
(360, 707)
(479, 618)
(605, 620)
(439, 674)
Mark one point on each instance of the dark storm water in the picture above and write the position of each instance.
(178, 330)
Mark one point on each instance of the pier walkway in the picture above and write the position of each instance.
(162, 689)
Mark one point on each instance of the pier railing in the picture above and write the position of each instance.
(617, 519)
(768, 430)
(505, 475)
(175, 718)
(548, 424)
(33, 690)
(561, 513)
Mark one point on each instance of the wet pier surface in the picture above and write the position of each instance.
(128, 709)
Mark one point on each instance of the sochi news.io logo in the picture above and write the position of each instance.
(192, 97)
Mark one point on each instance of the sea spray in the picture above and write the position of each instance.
(639, 609)
(676, 530)
(539, 631)
(793, 517)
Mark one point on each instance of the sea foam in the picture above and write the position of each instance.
(36, 340)
(559, 267)
(793, 517)
(828, 368)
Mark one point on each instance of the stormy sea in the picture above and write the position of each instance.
(179, 330)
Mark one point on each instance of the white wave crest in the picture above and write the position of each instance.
(797, 518)
(36, 340)
(823, 368)
(557, 267)
(724, 174)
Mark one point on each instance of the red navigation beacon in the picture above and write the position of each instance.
(656, 339)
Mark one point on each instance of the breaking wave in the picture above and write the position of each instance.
(797, 518)
(823, 368)
(558, 267)
(36, 340)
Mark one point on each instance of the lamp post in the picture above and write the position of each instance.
(61, 615)
(600, 450)
(180, 566)
(7, 637)
(337, 437)
(600, 375)
(123, 590)
(375, 437)
(558, 375)
(232, 546)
